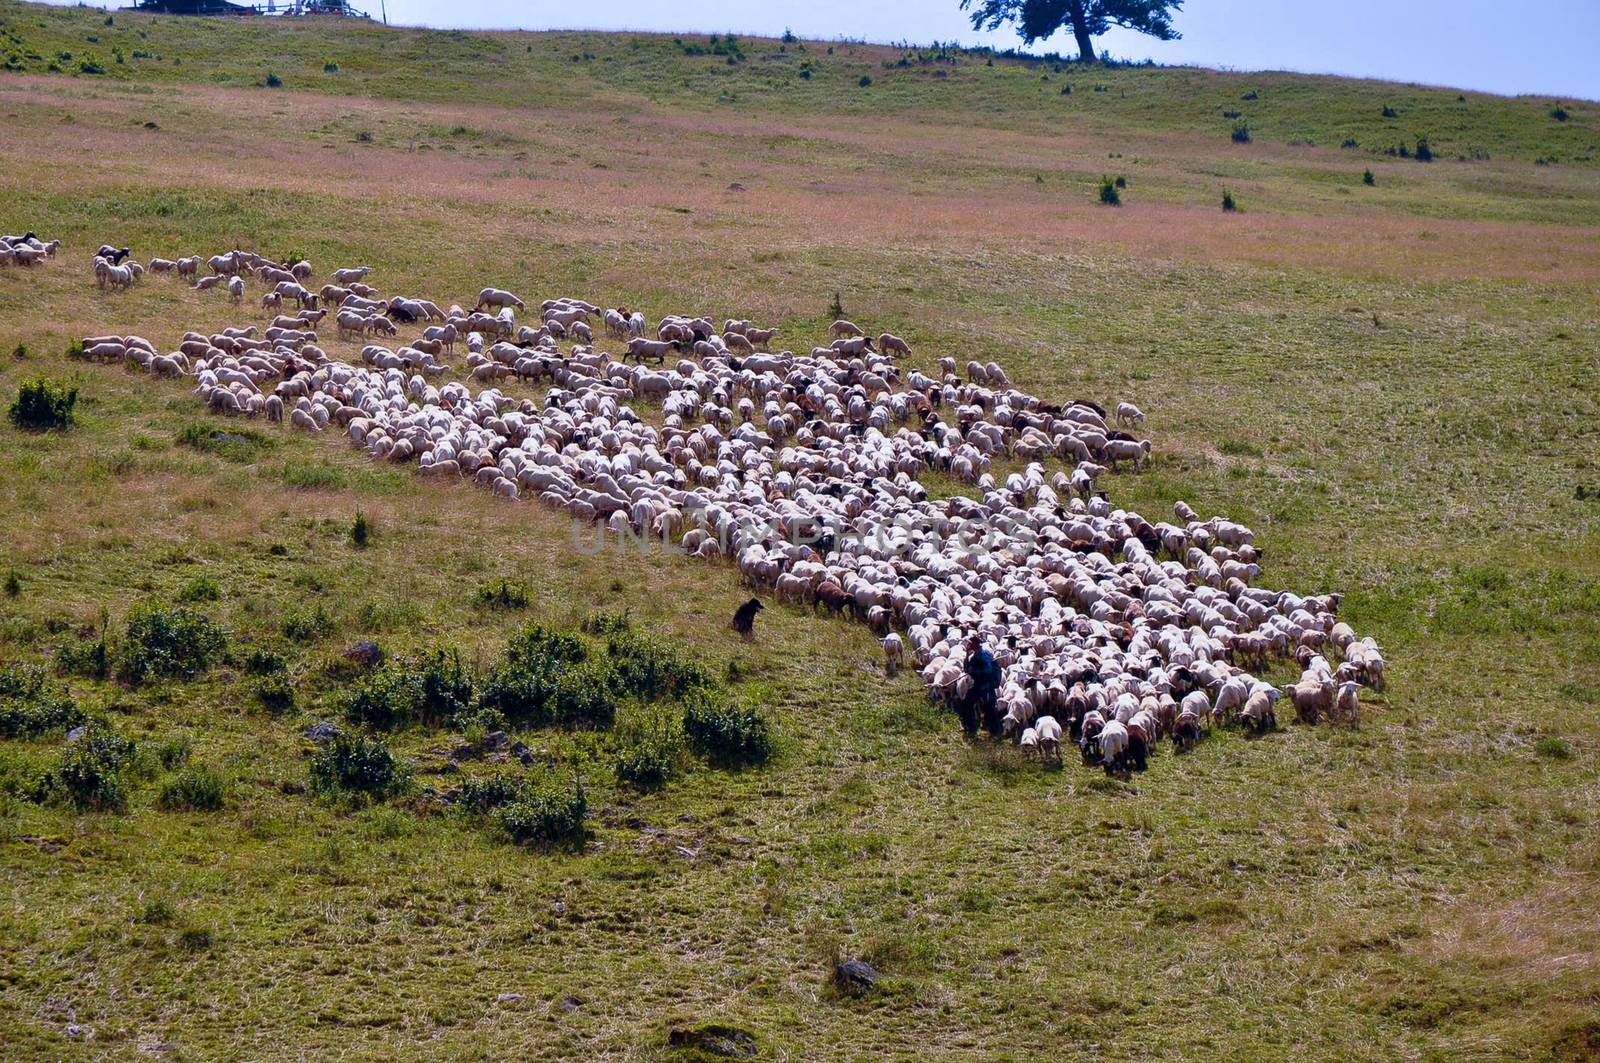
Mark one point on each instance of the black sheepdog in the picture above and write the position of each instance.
(744, 619)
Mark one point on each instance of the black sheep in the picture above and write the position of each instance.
(744, 619)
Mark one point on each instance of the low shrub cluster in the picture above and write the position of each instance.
(430, 690)
(91, 773)
(168, 644)
(30, 706)
(308, 627)
(649, 748)
(197, 788)
(42, 406)
(505, 594)
(727, 732)
(358, 764)
(547, 677)
(542, 809)
(88, 657)
(648, 669)
(275, 692)
(546, 811)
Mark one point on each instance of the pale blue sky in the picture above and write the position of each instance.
(1553, 51)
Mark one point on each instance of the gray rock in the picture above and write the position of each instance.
(855, 976)
(715, 1039)
(77, 732)
(365, 653)
(321, 731)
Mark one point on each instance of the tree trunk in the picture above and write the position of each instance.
(1080, 30)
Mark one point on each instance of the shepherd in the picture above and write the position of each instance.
(981, 701)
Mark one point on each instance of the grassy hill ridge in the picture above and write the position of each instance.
(351, 57)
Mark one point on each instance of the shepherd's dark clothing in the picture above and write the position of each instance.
(980, 700)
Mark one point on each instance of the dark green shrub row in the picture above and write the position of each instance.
(430, 690)
(546, 811)
(30, 706)
(91, 772)
(649, 669)
(727, 732)
(41, 406)
(358, 764)
(168, 644)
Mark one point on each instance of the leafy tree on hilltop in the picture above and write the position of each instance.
(1087, 19)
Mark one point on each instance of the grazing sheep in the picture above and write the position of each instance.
(889, 343)
(1130, 415)
(496, 299)
(1347, 705)
(1049, 732)
(806, 469)
(894, 649)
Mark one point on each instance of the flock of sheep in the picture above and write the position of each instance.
(807, 470)
(26, 250)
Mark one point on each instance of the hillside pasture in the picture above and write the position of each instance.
(1395, 386)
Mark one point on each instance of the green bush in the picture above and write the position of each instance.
(432, 690)
(485, 795)
(86, 657)
(275, 692)
(444, 689)
(605, 623)
(504, 594)
(274, 81)
(360, 531)
(538, 692)
(1424, 152)
(90, 773)
(649, 669)
(727, 732)
(13, 584)
(168, 644)
(200, 589)
(542, 646)
(1229, 204)
(30, 707)
(547, 812)
(865, 81)
(169, 753)
(308, 627)
(385, 698)
(265, 662)
(194, 789)
(650, 749)
(1369, 179)
(42, 406)
(358, 764)
(1241, 133)
(1109, 194)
